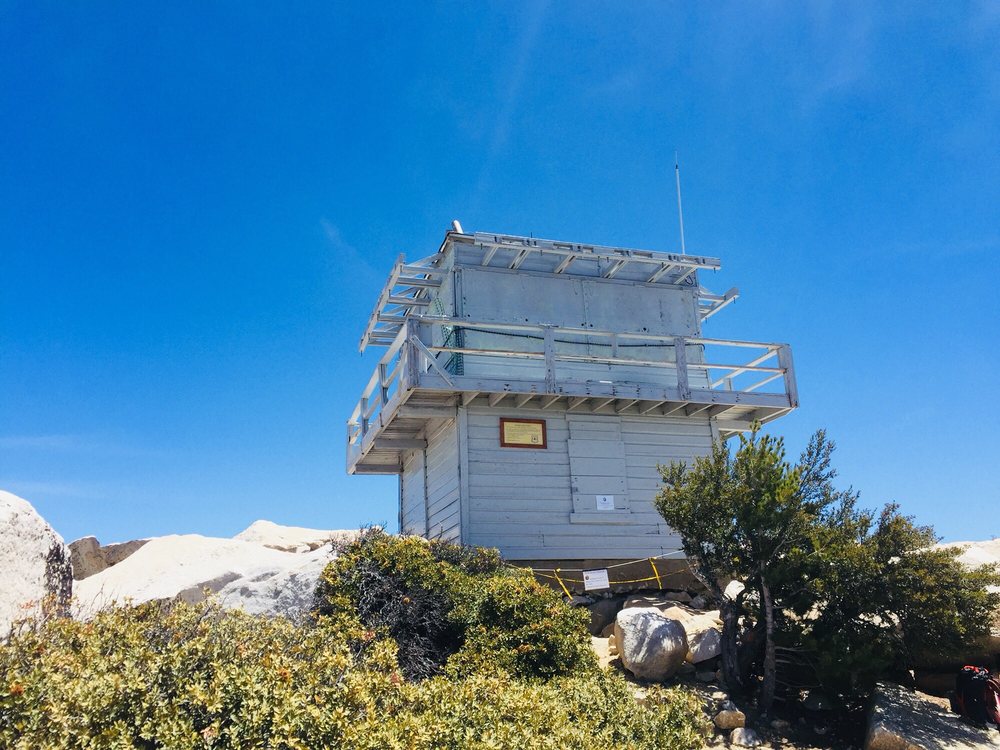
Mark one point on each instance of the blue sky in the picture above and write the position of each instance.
(199, 203)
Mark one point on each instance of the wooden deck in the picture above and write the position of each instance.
(428, 370)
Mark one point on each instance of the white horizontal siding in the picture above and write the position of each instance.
(652, 441)
(522, 499)
(414, 508)
(443, 490)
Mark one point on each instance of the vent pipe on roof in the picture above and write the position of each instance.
(457, 226)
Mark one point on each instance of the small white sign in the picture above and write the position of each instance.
(605, 502)
(595, 579)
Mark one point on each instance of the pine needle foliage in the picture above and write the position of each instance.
(862, 592)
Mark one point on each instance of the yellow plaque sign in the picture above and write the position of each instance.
(522, 433)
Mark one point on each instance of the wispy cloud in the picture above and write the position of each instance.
(31, 489)
(519, 61)
(946, 249)
(41, 442)
(619, 83)
(348, 257)
(842, 37)
(76, 443)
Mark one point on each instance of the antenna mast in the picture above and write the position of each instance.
(680, 210)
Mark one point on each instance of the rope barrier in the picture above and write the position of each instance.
(678, 553)
(553, 574)
(652, 564)
(559, 580)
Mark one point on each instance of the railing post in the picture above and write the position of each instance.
(680, 358)
(550, 359)
(383, 390)
(364, 417)
(413, 355)
(785, 363)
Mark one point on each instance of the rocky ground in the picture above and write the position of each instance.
(663, 637)
(265, 569)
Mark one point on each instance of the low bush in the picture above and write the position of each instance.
(516, 624)
(395, 585)
(454, 607)
(194, 676)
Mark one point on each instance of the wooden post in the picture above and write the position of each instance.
(785, 363)
(680, 357)
(413, 357)
(383, 391)
(550, 359)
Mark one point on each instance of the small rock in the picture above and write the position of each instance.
(719, 695)
(729, 719)
(602, 614)
(728, 705)
(743, 737)
(780, 725)
(704, 645)
(734, 589)
(612, 644)
(700, 602)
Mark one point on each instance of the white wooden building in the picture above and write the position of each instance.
(529, 388)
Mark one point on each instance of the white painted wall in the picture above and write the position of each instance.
(542, 504)
(413, 516)
(443, 482)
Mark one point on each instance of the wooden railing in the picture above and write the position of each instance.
(413, 361)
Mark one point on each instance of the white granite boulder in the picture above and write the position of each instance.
(293, 538)
(176, 567)
(287, 590)
(703, 628)
(34, 563)
(743, 737)
(651, 646)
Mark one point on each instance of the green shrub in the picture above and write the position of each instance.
(194, 676)
(396, 585)
(516, 624)
(460, 607)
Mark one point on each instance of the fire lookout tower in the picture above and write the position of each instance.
(529, 388)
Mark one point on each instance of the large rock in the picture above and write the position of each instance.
(34, 563)
(293, 538)
(85, 557)
(177, 566)
(901, 719)
(651, 646)
(703, 629)
(286, 590)
(602, 614)
(89, 557)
